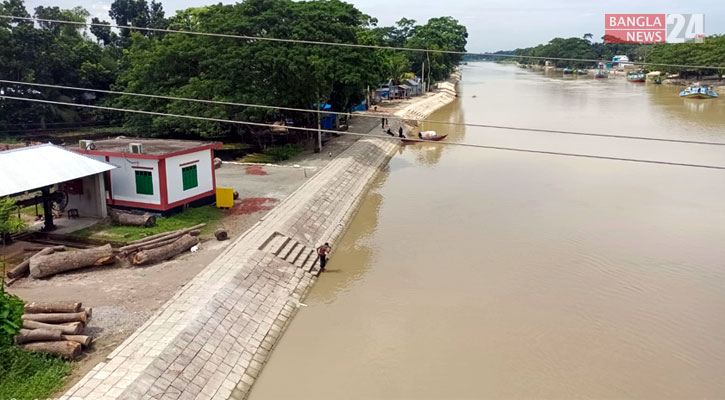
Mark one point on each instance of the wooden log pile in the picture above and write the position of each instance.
(23, 269)
(160, 247)
(55, 328)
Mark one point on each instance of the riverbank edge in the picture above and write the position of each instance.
(173, 356)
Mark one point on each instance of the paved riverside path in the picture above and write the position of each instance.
(213, 337)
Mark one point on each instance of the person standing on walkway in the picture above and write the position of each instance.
(323, 251)
(400, 132)
(382, 122)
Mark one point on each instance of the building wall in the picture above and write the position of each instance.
(92, 202)
(123, 179)
(204, 171)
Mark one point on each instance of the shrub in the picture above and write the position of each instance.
(11, 309)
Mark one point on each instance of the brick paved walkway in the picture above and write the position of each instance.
(213, 337)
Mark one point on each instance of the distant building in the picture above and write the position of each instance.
(415, 87)
(155, 174)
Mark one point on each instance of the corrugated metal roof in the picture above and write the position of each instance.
(34, 167)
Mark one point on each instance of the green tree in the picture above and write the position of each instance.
(9, 221)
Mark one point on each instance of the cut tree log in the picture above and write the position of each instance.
(127, 218)
(84, 340)
(67, 349)
(152, 238)
(73, 328)
(89, 313)
(52, 264)
(150, 246)
(162, 253)
(221, 234)
(217, 163)
(57, 318)
(39, 308)
(40, 248)
(37, 335)
(24, 267)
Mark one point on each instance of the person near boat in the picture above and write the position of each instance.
(400, 133)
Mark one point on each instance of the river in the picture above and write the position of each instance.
(472, 273)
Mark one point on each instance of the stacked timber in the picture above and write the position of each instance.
(162, 246)
(55, 328)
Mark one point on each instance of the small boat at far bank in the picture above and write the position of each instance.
(601, 74)
(418, 140)
(636, 76)
(567, 71)
(698, 92)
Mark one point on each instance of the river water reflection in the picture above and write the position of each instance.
(474, 273)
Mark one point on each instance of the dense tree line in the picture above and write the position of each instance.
(709, 53)
(226, 69)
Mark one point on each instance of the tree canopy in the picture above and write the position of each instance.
(214, 68)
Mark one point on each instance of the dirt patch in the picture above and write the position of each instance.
(255, 170)
(253, 205)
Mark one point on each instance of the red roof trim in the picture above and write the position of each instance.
(147, 168)
(188, 163)
(209, 146)
(136, 204)
(190, 199)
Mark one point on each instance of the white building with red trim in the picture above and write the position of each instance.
(155, 174)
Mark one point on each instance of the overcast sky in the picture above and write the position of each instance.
(492, 24)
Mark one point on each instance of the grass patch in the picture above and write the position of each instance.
(26, 375)
(209, 215)
(235, 146)
(273, 154)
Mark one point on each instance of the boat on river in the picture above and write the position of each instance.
(601, 74)
(580, 71)
(429, 138)
(698, 92)
(567, 71)
(636, 76)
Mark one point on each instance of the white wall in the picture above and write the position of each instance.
(174, 181)
(123, 180)
(92, 203)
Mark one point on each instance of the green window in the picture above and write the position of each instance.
(144, 182)
(188, 176)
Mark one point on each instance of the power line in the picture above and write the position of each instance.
(471, 145)
(353, 45)
(488, 126)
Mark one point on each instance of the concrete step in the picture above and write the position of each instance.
(279, 245)
(295, 254)
(302, 259)
(311, 263)
(287, 249)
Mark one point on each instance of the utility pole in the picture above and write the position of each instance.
(318, 148)
(422, 77)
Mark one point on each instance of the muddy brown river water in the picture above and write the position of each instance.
(472, 273)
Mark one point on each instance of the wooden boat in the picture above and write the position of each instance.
(636, 77)
(417, 140)
(698, 92)
(580, 71)
(601, 74)
(567, 71)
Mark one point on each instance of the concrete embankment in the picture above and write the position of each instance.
(213, 337)
(445, 94)
(211, 340)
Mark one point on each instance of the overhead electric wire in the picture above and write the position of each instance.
(471, 145)
(353, 45)
(475, 125)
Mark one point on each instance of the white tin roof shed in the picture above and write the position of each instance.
(34, 167)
